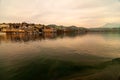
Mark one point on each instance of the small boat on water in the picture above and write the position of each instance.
(2, 33)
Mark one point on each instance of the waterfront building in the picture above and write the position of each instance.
(47, 29)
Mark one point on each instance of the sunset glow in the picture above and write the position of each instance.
(82, 13)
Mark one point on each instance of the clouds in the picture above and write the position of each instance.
(88, 13)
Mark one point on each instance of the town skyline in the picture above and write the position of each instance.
(87, 13)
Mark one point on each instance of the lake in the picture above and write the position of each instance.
(87, 56)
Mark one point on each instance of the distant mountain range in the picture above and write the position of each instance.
(111, 25)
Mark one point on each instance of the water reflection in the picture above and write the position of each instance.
(95, 44)
(111, 36)
(22, 37)
(56, 56)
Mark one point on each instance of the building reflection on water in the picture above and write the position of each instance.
(22, 37)
(60, 56)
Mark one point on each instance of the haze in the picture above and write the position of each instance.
(82, 13)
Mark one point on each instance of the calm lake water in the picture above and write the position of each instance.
(89, 56)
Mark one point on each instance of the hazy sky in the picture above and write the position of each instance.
(87, 13)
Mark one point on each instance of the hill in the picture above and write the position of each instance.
(111, 25)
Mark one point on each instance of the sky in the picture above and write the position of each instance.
(81, 13)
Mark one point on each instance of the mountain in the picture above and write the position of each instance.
(111, 25)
